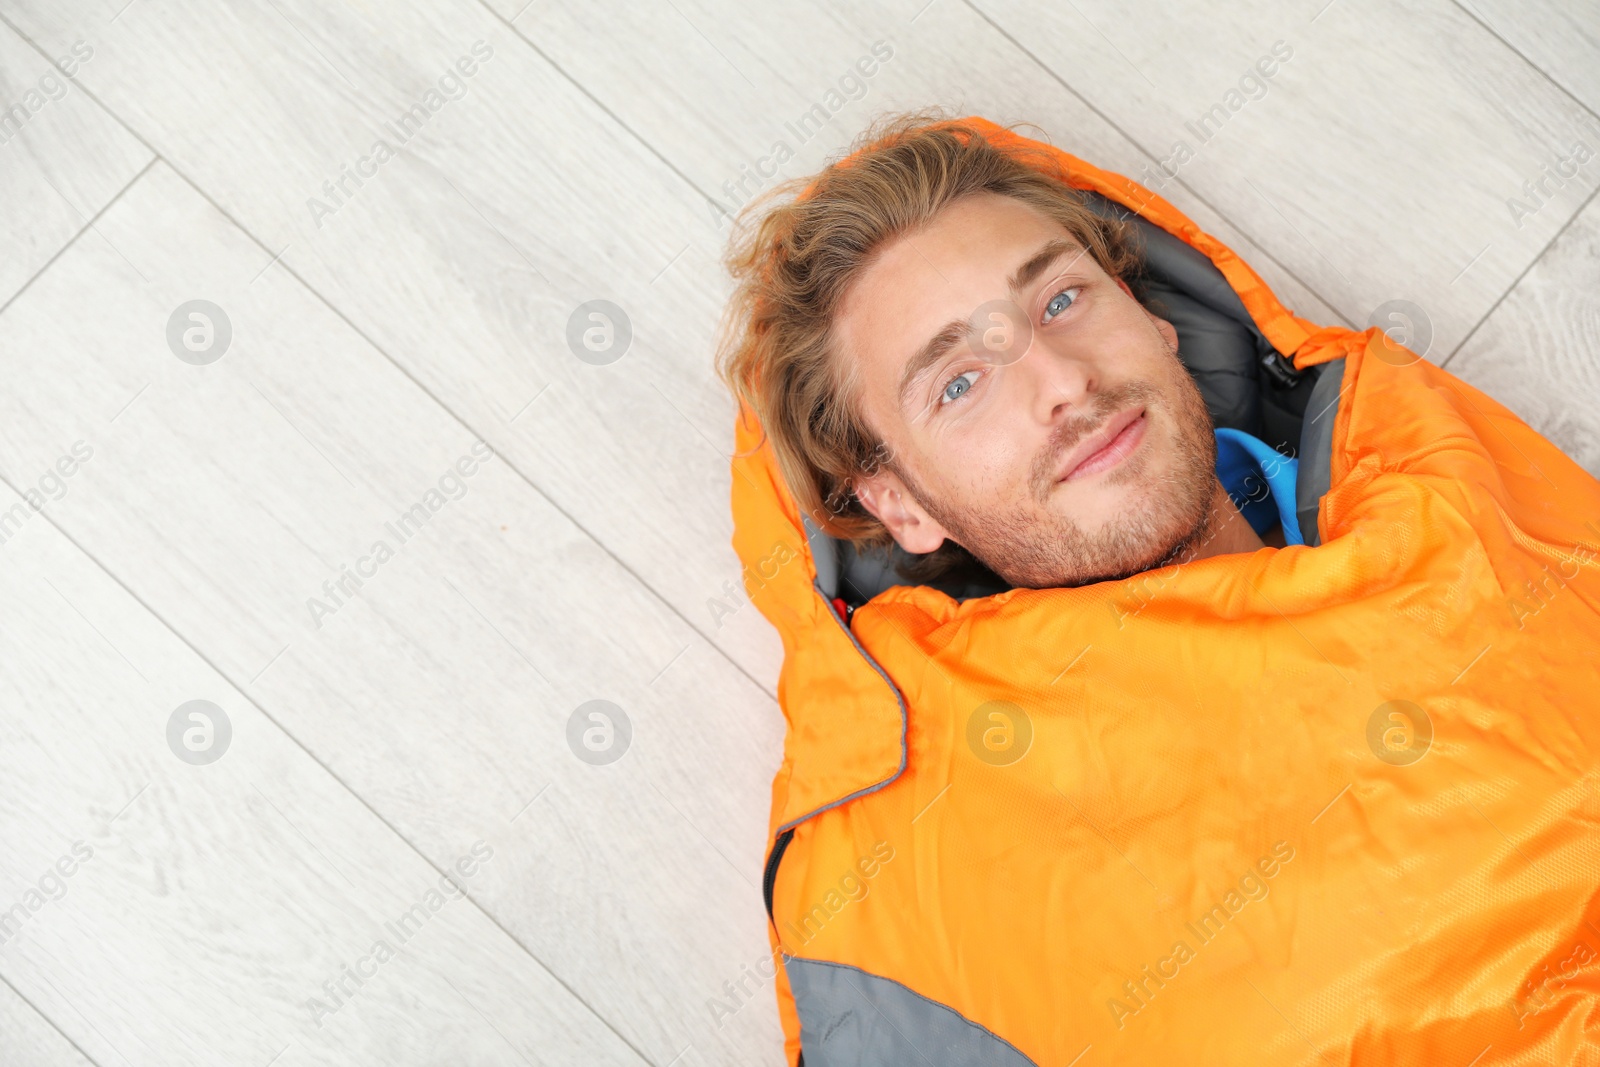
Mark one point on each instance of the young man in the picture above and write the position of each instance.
(1081, 454)
(979, 357)
(1183, 792)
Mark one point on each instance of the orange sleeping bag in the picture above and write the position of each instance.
(1308, 805)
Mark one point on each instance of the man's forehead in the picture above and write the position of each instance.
(984, 244)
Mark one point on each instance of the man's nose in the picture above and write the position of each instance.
(1058, 385)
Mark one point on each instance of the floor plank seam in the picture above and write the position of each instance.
(84, 229)
(1262, 249)
(1551, 78)
(313, 757)
(157, 156)
(459, 420)
(601, 104)
(1535, 261)
(48, 1021)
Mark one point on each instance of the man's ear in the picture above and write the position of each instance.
(1163, 327)
(886, 496)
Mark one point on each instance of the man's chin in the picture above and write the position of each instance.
(1132, 566)
(1116, 558)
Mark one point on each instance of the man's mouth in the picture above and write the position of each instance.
(1108, 446)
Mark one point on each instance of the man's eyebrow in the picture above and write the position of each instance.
(1053, 250)
(955, 331)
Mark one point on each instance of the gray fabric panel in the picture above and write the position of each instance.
(1178, 263)
(1219, 354)
(824, 556)
(1316, 447)
(867, 572)
(849, 1018)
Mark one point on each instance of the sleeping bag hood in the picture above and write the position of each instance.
(1331, 803)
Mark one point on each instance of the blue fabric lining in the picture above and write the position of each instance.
(1261, 482)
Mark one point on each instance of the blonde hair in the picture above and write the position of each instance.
(793, 265)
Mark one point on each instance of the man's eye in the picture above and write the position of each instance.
(1056, 307)
(959, 384)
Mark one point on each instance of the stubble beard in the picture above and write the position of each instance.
(1037, 547)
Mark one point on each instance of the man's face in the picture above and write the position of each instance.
(983, 434)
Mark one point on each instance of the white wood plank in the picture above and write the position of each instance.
(226, 495)
(730, 82)
(1539, 352)
(165, 912)
(1380, 160)
(62, 158)
(466, 255)
(28, 1040)
(1560, 39)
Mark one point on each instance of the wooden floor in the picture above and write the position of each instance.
(383, 356)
